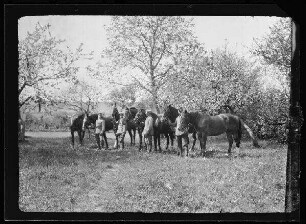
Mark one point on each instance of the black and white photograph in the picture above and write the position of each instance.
(155, 114)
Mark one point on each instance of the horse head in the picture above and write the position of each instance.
(133, 112)
(89, 120)
(140, 117)
(115, 113)
(170, 113)
(185, 120)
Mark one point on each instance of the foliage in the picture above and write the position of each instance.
(212, 80)
(124, 96)
(41, 122)
(146, 45)
(80, 96)
(43, 64)
(275, 49)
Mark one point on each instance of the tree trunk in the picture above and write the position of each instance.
(155, 100)
(292, 197)
(21, 128)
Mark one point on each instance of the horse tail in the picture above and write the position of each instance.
(255, 142)
(239, 130)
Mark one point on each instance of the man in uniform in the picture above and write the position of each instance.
(121, 130)
(148, 130)
(100, 131)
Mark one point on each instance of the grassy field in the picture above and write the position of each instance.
(54, 178)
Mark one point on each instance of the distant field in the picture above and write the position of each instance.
(53, 177)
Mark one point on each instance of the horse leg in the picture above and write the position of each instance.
(167, 138)
(201, 141)
(155, 142)
(158, 140)
(237, 140)
(83, 135)
(105, 139)
(194, 136)
(186, 141)
(122, 140)
(150, 142)
(131, 135)
(134, 135)
(230, 141)
(117, 142)
(72, 139)
(80, 137)
(140, 139)
(171, 138)
(204, 139)
(179, 144)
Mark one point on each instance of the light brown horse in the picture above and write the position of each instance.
(207, 125)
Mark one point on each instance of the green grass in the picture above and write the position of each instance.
(54, 178)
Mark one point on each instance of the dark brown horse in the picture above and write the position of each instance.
(90, 121)
(171, 113)
(207, 125)
(78, 125)
(166, 130)
(139, 121)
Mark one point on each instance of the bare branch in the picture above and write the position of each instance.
(25, 101)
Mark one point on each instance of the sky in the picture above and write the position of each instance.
(213, 31)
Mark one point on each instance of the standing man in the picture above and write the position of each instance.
(181, 132)
(121, 130)
(148, 130)
(100, 131)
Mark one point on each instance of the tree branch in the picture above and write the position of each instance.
(26, 100)
(164, 73)
(22, 87)
(141, 85)
(161, 55)
(143, 44)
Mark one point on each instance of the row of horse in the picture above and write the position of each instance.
(200, 125)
